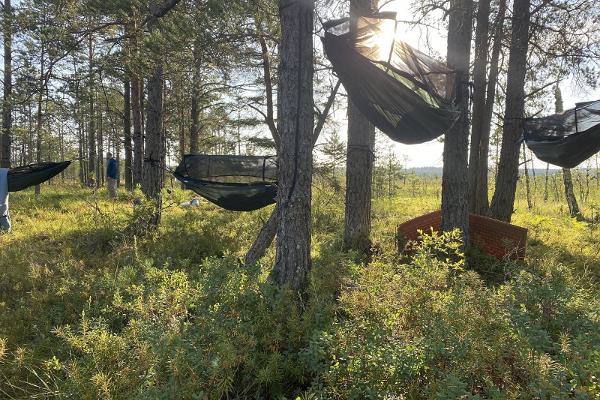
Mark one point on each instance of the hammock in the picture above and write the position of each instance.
(400, 90)
(566, 139)
(235, 183)
(20, 178)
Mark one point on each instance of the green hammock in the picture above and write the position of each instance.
(20, 178)
(235, 183)
(399, 89)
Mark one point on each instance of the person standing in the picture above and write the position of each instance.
(112, 175)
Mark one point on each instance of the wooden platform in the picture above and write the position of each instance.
(496, 238)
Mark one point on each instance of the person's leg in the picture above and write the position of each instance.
(112, 187)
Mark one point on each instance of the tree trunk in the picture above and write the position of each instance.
(127, 136)
(152, 181)
(482, 206)
(293, 260)
(6, 138)
(138, 139)
(508, 168)
(527, 182)
(195, 111)
(101, 155)
(570, 193)
(263, 240)
(39, 120)
(479, 97)
(455, 213)
(92, 168)
(546, 176)
(359, 162)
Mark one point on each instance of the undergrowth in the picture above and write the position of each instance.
(92, 306)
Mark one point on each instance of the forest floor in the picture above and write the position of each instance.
(94, 306)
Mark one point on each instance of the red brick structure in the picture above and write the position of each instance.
(493, 237)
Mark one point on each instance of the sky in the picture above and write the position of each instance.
(430, 154)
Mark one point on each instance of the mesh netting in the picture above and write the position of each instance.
(402, 91)
(236, 183)
(565, 139)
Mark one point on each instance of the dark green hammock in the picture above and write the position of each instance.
(566, 139)
(20, 178)
(235, 183)
(399, 89)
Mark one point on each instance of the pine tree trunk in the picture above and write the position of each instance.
(546, 182)
(570, 193)
(39, 120)
(508, 168)
(100, 168)
(6, 139)
(263, 240)
(455, 213)
(359, 162)
(293, 260)
(92, 123)
(152, 181)
(138, 140)
(195, 112)
(127, 136)
(527, 181)
(479, 103)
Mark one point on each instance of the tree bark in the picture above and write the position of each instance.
(195, 112)
(359, 162)
(127, 135)
(152, 181)
(482, 206)
(39, 115)
(138, 139)
(6, 140)
(574, 210)
(263, 240)
(293, 261)
(92, 169)
(527, 181)
(508, 168)
(546, 182)
(479, 97)
(455, 213)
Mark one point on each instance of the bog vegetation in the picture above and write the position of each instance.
(92, 307)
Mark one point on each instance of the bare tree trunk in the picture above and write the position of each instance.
(479, 103)
(508, 168)
(293, 261)
(546, 182)
(195, 112)
(101, 155)
(6, 140)
(570, 193)
(127, 136)
(263, 240)
(527, 182)
(39, 119)
(455, 213)
(152, 181)
(138, 140)
(92, 125)
(359, 162)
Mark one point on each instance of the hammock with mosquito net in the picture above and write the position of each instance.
(21, 178)
(235, 183)
(566, 139)
(16, 179)
(402, 91)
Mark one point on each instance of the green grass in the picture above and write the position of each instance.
(93, 306)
